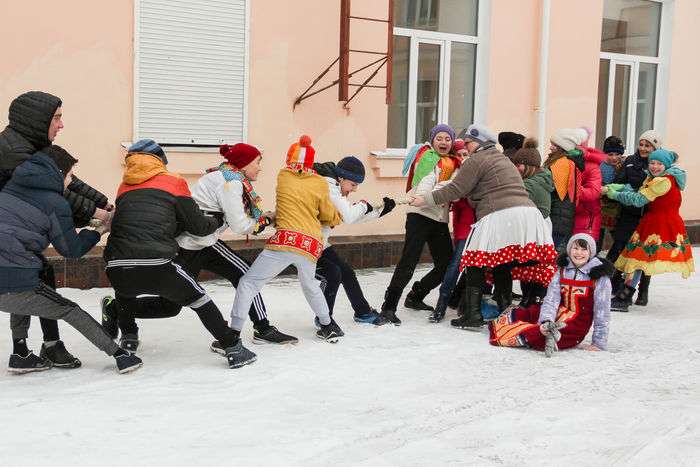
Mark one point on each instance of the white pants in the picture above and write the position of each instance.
(268, 265)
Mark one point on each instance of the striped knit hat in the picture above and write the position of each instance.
(148, 146)
(301, 153)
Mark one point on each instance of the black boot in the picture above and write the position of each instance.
(537, 293)
(440, 310)
(526, 288)
(503, 294)
(388, 312)
(470, 306)
(617, 282)
(414, 298)
(643, 291)
(623, 300)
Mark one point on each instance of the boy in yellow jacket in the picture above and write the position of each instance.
(303, 207)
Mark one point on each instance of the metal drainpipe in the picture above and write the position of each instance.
(544, 67)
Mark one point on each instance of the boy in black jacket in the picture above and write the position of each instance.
(153, 207)
(34, 213)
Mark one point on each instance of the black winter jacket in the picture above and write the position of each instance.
(29, 120)
(633, 172)
(33, 213)
(153, 207)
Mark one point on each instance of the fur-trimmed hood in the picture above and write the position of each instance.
(595, 268)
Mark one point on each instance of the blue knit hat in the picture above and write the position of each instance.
(351, 168)
(667, 158)
(442, 127)
(148, 146)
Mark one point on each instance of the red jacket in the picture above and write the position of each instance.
(587, 216)
(462, 219)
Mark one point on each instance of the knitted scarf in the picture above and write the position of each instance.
(251, 200)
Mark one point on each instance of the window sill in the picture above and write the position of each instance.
(388, 163)
(181, 149)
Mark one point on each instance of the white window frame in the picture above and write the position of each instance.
(445, 40)
(661, 93)
(136, 70)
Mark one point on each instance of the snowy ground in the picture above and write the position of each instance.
(422, 394)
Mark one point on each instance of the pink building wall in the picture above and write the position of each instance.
(82, 51)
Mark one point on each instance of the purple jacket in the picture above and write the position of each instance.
(596, 270)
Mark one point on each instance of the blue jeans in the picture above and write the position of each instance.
(452, 273)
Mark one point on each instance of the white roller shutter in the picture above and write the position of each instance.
(190, 71)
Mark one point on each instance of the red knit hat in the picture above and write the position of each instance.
(240, 154)
(301, 153)
(458, 145)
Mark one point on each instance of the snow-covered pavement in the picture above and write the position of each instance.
(421, 395)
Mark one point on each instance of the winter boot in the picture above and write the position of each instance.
(440, 310)
(29, 363)
(389, 308)
(58, 355)
(127, 361)
(643, 291)
(109, 316)
(623, 300)
(617, 282)
(526, 288)
(414, 298)
(238, 356)
(129, 342)
(330, 332)
(470, 308)
(503, 293)
(270, 335)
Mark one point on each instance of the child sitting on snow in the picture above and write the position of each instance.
(577, 297)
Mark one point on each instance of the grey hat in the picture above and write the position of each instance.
(585, 237)
(480, 133)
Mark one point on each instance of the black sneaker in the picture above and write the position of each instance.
(330, 332)
(109, 316)
(129, 342)
(414, 303)
(371, 317)
(390, 316)
(270, 335)
(27, 364)
(238, 356)
(216, 348)
(59, 356)
(319, 326)
(127, 361)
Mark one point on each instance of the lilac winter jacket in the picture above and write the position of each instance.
(596, 269)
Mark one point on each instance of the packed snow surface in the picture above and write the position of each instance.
(421, 394)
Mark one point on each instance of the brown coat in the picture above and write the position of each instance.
(490, 182)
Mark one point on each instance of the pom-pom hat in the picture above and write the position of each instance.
(301, 153)
(240, 154)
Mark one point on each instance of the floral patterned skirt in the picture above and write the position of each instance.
(659, 245)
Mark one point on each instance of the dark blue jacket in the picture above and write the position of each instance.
(34, 213)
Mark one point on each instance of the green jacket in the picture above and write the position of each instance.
(539, 188)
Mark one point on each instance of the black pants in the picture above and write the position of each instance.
(220, 260)
(624, 228)
(332, 270)
(419, 231)
(169, 281)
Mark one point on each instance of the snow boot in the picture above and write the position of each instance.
(643, 291)
(623, 300)
(238, 356)
(414, 298)
(470, 308)
(127, 361)
(109, 316)
(371, 317)
(503, 290)
(130, 342)
(29, 363)
(270, 335)
(330, 332)
(388, 313)
(440, 310)
(59, 356)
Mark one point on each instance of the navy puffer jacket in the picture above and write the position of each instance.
(33, 214)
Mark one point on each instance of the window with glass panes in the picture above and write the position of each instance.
(434, 68)
(629, 64)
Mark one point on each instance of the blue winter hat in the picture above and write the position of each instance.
(442, 127)
(148, 146)
(667, 158)
(351, 168)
